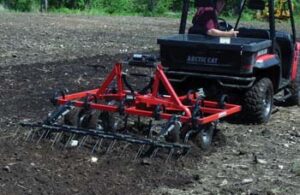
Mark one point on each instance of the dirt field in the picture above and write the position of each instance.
(40, 53)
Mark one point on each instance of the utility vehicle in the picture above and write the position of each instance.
(252, 69)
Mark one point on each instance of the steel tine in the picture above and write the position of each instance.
(169, 155)
(180, 158)
(178, 153)
(29, 134)
(100, 144)
(17, 137)
(43, 134)
(97, 142)
(34, 132)
(60, 137)
(183, 154)
(69, 140)
(47, 133)
(111, 145)
(16, 133)
(125, 147)
(139, 152)
(82, 142)
(154, 153)
(55, 139)
(87, 138)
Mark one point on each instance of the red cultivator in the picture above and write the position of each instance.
(107, 112)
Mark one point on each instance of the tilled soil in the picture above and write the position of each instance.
(41, 53)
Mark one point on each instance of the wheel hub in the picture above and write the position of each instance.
(267, 103)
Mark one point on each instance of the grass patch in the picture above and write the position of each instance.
(101, 12)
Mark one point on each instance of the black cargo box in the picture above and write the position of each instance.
(209, 54)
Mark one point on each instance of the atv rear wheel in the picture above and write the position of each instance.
(258, 102)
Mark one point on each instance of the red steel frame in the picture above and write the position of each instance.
(295, 62)
(171, 103)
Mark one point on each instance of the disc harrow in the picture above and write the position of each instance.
(155, 117)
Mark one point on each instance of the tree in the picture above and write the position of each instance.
(44, 5)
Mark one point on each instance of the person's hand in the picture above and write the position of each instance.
(233, 33)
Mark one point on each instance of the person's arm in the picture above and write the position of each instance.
(218, 33)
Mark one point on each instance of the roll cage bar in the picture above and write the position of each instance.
(185, 10)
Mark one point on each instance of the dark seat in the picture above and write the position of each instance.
(254, 33)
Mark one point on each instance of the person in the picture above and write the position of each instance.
(205, 20)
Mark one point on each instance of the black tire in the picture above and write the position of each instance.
(258, 102)
(72, 117)
(295, 89)
(107, 121)
(91, 119)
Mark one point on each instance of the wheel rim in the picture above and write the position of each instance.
(267, 103)
(206, 137)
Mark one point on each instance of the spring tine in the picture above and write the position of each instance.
(97, 142)
(111, 145)
(73, 136)
(188, 151)
(60, 137)
(87, 138)
(29, 134)
(99, 146)
(69, 140)
(139, 152)
(182, 155)
(47, 133)
(34, 132)
(169, 155)
(55, 139)
(17, 136)
(180, 158)
(82, 142)
(43, 134)
(108, 147)
(16, 139)
(154, 153)
(16, 133)
(125, 147)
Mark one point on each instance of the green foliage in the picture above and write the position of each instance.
(296, 7)
(151, 7)
(141, 7)
(21, 5)
(70, 4)
(162, 6)
(176, 5)
(117, 6)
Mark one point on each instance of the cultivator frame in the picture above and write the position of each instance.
(185, 116)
